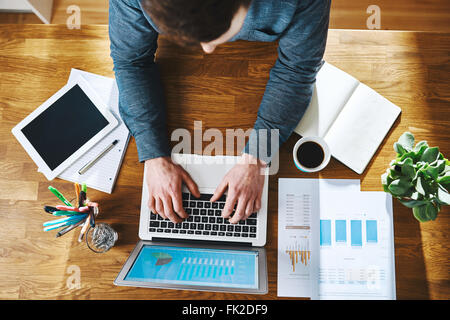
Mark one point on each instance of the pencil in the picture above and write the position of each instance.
(77, 194)
(85, 226)
(67, 229)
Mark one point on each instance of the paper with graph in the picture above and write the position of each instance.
(356, 246)
(334, 242)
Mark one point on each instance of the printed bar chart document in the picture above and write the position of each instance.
(357, 248)
(298, 236)
(334, 242)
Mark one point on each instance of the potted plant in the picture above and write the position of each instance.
(419, 177)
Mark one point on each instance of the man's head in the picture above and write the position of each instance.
(205, 22)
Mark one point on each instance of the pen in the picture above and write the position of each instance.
(82, 198)
(100, 155)
(49, 209)
(77, 194)
(66, 208)
(56, 226)
(67, 229)
(92, 218)
(65, 220)
(63, 224)
(66, 213)
(83, 230)
(59, 196)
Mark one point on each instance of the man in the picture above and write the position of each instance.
(301, 28)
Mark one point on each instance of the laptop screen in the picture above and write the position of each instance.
(195, 267)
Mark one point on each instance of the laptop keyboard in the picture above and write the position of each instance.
(205, 218)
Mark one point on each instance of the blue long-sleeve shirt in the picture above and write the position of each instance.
(301, 28)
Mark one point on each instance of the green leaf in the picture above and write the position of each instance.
(399, 149)
(408, 168)
(431, 211)
(440, 165)
(393, 174)
(410, 154)
(444, 179)
(443, 196)
(430, 155)
(384, 177)
(400, 186)
(415, 196)
(420, 213)
(418, 153)
(420, 145)
(419, 186)
(413, 203)
(406, 140)
(446, 185)
(432, 172)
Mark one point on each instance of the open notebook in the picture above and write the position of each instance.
(351, 117)
(103, 174)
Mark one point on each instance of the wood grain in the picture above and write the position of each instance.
(223, 90)
(415, 15)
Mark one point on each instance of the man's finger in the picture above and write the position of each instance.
(151, 204)
(250, 208)
(168, 210)
(257, 204)
(190, 184)
(229, 205)
(219, 190)
(177, 203)
(240, 210)
(159, 208)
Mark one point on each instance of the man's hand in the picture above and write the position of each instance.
(164, 179)
(245, 185)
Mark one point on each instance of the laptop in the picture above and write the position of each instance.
(204, 252)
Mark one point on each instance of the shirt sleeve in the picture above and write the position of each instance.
(289, 89)
(141, 98)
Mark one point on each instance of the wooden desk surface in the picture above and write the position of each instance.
(223, 90)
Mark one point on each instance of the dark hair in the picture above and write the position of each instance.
(193, 21)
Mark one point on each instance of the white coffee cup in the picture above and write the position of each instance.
(325, 149)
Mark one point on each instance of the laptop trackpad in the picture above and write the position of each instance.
(208, 176)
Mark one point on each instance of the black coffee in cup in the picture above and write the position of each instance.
(310, 154)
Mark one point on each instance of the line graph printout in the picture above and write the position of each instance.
(298, 233)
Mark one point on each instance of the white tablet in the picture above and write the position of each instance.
(64, 127)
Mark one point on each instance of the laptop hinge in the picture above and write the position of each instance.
(196, 241)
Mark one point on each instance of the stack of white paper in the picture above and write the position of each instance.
(103, 174)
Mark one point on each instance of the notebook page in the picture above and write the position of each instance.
(361, 127)
(332, 90)
(103, 174)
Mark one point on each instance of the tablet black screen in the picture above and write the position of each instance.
(64, 127)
